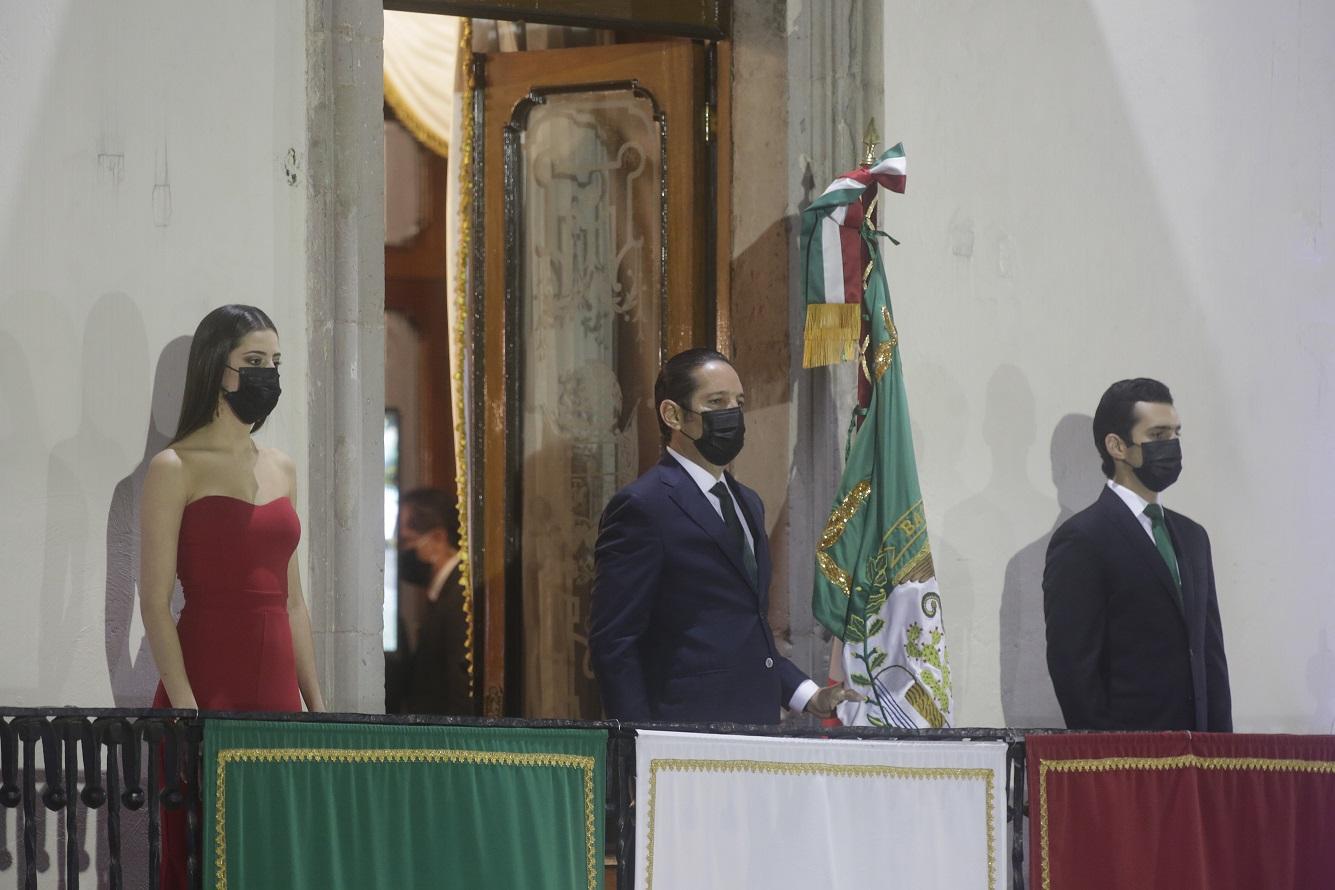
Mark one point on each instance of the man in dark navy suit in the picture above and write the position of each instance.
(679, 626)
(1134, 635)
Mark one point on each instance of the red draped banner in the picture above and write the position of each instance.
(1181, 811)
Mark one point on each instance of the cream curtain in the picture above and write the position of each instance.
(430, 88)
(421, 68)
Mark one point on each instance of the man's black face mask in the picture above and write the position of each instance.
(1161, 463)
(722, 435)
(413, 569)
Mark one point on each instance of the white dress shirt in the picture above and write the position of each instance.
(706, 480)
(438, 581)
(1136, 504)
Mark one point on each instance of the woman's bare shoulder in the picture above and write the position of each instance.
(167, 473)
(166, 462)
(283, 466)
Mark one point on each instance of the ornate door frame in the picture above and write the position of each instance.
(671, 75)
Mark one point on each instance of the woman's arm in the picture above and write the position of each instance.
(160, 507)
(299, 617)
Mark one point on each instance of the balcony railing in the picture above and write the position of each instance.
(97, 769)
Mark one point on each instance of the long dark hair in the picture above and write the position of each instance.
(217, 335)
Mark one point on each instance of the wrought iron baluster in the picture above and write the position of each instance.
(29, 731)
(151, 731)
(194, 738)
(1018, 810)
(10, 793)
(112, 732)
(53, 789)
(625, 772)
(68, 730)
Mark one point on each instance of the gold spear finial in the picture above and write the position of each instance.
(871, 140)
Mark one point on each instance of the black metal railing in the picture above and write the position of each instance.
(118, 762)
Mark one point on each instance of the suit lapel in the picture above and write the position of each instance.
(1139, 541)
(692, 501)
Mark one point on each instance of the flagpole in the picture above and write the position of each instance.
(871, 140)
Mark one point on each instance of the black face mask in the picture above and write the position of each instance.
(1161, 463)
(722, 436)
(256, 394)
(413, 569)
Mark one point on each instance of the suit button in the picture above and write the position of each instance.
(769, 662)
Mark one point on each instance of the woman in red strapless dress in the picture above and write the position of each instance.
(219, 512)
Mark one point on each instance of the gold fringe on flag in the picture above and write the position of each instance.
(831, 333)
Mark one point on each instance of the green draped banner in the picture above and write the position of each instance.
(320, 806)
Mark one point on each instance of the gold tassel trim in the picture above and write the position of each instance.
(831, 333)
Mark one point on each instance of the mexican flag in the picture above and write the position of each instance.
(876, 587)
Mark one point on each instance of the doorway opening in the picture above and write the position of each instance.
(550, 234)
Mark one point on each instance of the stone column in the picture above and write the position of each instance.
(836, 83)
(806, 76)
(346, 321)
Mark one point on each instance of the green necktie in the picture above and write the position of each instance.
(1164, 544)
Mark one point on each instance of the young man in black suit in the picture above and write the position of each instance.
(1133, 629)
(437, 680)
(679, 623)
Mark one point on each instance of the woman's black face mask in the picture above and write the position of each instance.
(256, 393)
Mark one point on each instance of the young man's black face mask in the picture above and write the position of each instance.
(1161, 463)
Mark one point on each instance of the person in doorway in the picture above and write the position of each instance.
(679, 627)
(1134, 636)
(429, 559)
(219, 512)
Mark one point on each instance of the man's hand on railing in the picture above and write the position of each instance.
(823, 703)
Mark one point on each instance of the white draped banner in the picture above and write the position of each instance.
(739, 811)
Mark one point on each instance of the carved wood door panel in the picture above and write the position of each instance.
(593, 176)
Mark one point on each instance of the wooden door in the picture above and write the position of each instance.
(595, 226)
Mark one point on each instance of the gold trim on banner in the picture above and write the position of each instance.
(1157, 764)
(834, 530)
(885, 352)
(839, 770)
(461, 478)
(228, 756)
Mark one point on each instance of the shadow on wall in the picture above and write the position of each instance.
(133, 674)
(1027, 698)
(114, 365)
(130, 666)
(986, 526)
